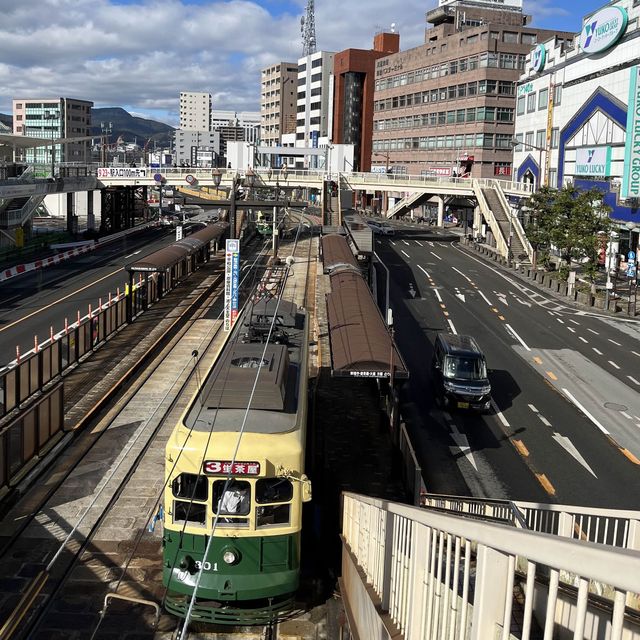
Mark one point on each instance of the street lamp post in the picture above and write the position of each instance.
(385, 200)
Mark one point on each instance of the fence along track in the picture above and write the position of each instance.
(125, 432)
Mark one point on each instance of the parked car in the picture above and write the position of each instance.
(381, 228)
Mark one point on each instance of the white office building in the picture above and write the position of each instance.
(578, 110)
(197, 148)
(195, 111)
(314, 119)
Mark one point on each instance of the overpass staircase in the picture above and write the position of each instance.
(407, 203)
(505, 226)
(15, 212)
(474, 569)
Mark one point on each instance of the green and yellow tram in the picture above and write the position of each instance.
(240, 495)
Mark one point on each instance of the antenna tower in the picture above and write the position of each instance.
(308, 29)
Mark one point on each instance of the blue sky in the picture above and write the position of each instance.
(139, 54)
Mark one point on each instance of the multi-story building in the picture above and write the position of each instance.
(277, 102)
(578, 115)
(197, 148)
(195, 111)
(54, 119)
(236, 126)
(314, 118)
(354, 81)
(448, 106)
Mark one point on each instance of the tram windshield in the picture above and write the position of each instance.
(232, 503)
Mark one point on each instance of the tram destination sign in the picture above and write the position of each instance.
(631, 175)
(227, 467)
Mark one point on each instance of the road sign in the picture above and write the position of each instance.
(179, 232)
(631, 256)
(231, 282)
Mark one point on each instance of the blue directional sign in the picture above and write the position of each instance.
(631, 255)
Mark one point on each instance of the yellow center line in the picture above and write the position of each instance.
(552, 375)
(443, 306)
(501, 317)
(629, 455)
(446, 313)
(537, 359)
(494, 310)
(73, 293)
(546, 485)
(522, 449)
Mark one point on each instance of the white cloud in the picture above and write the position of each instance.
(139, 54)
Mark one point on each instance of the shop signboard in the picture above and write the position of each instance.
(524, 89)
(539, 58)
(603, 29)
(439, 171)
(631, 175)
(593, 161)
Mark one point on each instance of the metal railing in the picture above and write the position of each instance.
(501, 241)
(440, 576)
(515, 222)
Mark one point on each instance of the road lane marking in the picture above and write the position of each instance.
(70, 295)
(582, 408)
(552, 375)
(544, 421)
(135, 253)
(494, 310)
(598, 351)
(613, 364)
(391, 241)
(499, 413)
(583, 340)
(484, 297)
(521, 448)
(633, 380)
(570, 448)
(572, 330)
(517, 337)
(537, 359)
(629, 455)
(560, 321)
(426, 273)
(574, 322)
(533, 408)
(626, 415)
(443, 306)
(406, 242)
(592, 331)
(435, 255)
(453, 329)
(614, 342)
(419, 243)
(636, 354)
(405, 253)
(546, 485)
(501, 318)
(438, 295)
(462, 274)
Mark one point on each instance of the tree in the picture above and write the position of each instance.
(568, 220)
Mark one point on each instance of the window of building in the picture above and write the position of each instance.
(317, 77)
(472, 39)
(452, 92)
(520, 139)
(302, 67)
(528, 38)
(442, 93)
(506, 88)
(503, 141)
(434, 95)
(460, 115)
(553, 177)
(462, 65)
(492, 60)
(557, 94)
(471, 114)
(555, 137)
(504, 114)
(528, 140)
(531, 102)
(301, 81)
(541, 136)
(521, 105)
(510, 36)
(440, 142)
(473, 63)
(472, 88)
(462, 90)
(451, 117)
(494, 35)
(453, 67)
(316, 63)
(442, 117)
(508, 61)
(543, 99)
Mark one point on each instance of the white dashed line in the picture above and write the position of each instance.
(636, 354)
(438, 295)
(435, 255)
(633, 380)
(583, 340)
(598, 351)
(501, 417)
(467, 278)
(560, 321)
(544, 421)
(626, 415)
(532, 407)
(453, 329)
(551, 313)
(592, 331)
(574, 322)
(613, 364)
(485, 298)
(426, 273)
(419, 243)
(391, 241)
(405, 253)
(614, 342)
(406, 242)
(571, 329)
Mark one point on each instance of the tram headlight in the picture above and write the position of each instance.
(230, 556)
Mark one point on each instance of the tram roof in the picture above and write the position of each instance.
(165, 258)
(361, 345)
(336, 253)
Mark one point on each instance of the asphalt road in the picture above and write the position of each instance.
(33, 303)
(565, 424)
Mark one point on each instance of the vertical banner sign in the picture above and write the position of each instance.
(231, 282)
(631, 175)
(547, 146)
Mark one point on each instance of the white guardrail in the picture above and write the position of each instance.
(436, 576)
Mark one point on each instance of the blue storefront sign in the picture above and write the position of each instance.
(631, 175)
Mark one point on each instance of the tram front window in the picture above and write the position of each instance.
(232, 503)
(190, 487)
(273, 490)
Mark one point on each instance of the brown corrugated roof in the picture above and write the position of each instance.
(336, 253)
(164, 259)
(360, 343)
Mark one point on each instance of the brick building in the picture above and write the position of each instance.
(354, 81)
(448, 106)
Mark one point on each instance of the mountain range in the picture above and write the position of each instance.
(123, 125)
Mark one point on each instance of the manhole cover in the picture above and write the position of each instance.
(615, 406)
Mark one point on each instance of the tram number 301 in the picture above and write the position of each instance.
(207, 566)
